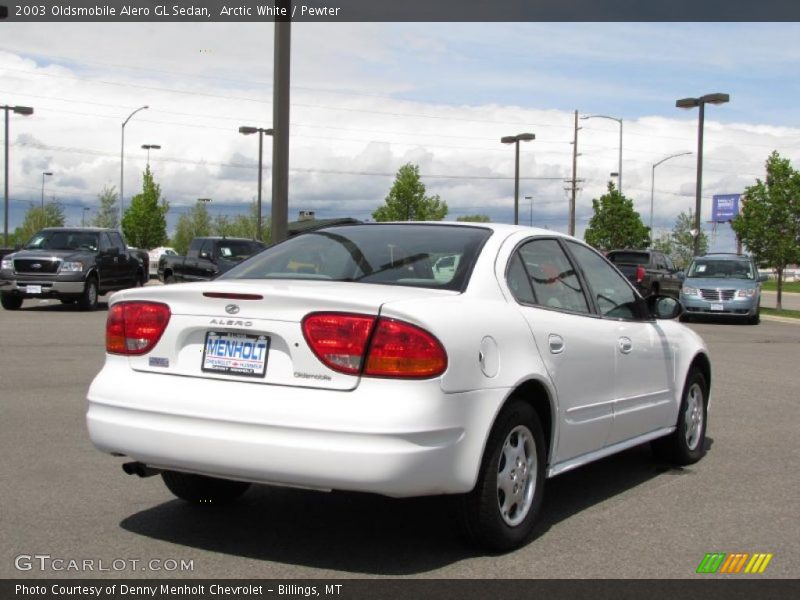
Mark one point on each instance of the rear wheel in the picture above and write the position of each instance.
(168, 279)
(686, 445)
(500, 512)
(199, 489)
(88, 300)
(10, 302)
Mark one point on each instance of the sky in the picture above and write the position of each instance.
(367, 98)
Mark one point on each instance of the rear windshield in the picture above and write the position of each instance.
(432, 256)
(722, 269)
(629, 258)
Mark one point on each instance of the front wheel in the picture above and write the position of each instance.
(687, 444)
(199, 489)
(500, 512)
(10, 302)
(88, 300)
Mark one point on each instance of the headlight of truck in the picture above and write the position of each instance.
(690, 291)
(7, 264)
(71, 267)
(748, 293)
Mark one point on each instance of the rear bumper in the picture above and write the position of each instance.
(397, 439)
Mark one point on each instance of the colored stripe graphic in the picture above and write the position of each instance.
(758, 564)
(711, 562)
(735, 562)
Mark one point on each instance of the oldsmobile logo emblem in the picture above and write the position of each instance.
(232, 309)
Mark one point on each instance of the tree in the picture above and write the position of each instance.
(474, 219)
(243, 225)
(36, 219)
(196, 222)
(769, 221)
(682, 240)
(108, 214)
(145, 220)
(615, 224)
(407, 200)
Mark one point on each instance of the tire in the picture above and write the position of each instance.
(199, 489)
(756, 318)
(686, 445)
(169, 279)
(88, 299)
(140, 280)
(500, 512)
(10, 302)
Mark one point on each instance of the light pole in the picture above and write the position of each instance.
(19, 110)
(700, 102)
(516, 139)
(48, 174)
(246, 130)
(619, 170)
(83, 215)
(122, 165)
(531, 199)
(653, 186)
(149, 147)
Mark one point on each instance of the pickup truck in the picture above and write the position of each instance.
(650, 271)
(207, 257)
(71, 264)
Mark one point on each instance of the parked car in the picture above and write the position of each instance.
(652, 272)
(338, 360)
(71, 264)
(206, 259)
(723, 285)
(155, 255)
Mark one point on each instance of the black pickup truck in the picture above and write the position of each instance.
(650, 271)
(207, 257)
(71, 264)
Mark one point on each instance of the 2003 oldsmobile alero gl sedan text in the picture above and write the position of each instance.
(341, 359)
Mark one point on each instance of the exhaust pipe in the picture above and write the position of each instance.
(140, 469)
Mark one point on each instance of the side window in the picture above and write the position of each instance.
(116, 240)
(194, 249)
(207, 249)
(670, 264)
(553, 278)
(612, 293)
(518, 281)
(105, 243)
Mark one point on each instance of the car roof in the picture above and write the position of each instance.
(725, 256)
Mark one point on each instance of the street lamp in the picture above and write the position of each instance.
(619, 170)
(48, 174)
(246, 130)
(531, 199)
(122, 164)
(149, 147)
(19, 110)
(653, 186)
(700, 102)
(516, 139)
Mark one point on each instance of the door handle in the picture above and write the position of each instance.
(556, 343)
(625, 345)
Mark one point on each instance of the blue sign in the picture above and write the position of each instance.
(724, 207)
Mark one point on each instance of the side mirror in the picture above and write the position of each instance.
(113, 251)
(205, 255)
(664, 307)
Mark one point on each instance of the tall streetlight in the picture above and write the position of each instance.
(531, 199)
(19, 110)
(48, 174)
(149, 147)
(653, 185)
(619, 169)
(516, 139)
(246, 130)
(700, 102)
(122, 164)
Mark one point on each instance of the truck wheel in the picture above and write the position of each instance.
(199, 489)
(169, 279)
(88, 300)
(10, 302)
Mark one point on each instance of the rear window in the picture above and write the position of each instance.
(629, 258)
(432, 256)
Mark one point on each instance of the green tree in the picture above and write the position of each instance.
(407, 200)
(474, 219)
(108, 214)
(36, 219)
(682, 240)
(196, 222)
(769, 221)
(244, 225)
(145, 220)
(615, 223)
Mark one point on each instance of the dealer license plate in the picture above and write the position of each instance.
(33, 289)
(235, 353)
(717, 307)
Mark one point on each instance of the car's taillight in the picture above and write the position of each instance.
(396, 348)
(133, 328)
(639, 274)
(400, 349)
(338, 339)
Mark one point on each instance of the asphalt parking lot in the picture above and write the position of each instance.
(624, 517)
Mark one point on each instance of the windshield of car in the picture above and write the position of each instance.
(707, 268)
(63, 240)
(391, 254)
(238, 250)
(628, 258)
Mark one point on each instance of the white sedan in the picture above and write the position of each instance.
(340, 360)
(155, 255)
